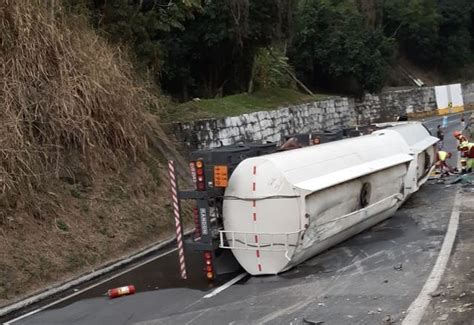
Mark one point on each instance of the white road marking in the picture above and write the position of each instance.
(226, 285)
(418, 306)
(88, 288)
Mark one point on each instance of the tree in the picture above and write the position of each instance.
(415, 24)
(332, 42)
(215, 52)
(454, 33)
(140, 24)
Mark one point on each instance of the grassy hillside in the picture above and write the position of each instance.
(237, 104)
(81, 170)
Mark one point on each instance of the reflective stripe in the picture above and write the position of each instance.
(465, 146)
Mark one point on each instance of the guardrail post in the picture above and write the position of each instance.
(177, 218)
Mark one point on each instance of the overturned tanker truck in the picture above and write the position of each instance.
(273, 210)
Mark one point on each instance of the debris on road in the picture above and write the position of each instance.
(466, 179)
(398, 267)
(443, 317)
(312, 322)
(436, 293)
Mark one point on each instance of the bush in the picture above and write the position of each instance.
(270, 70)
(332, 42)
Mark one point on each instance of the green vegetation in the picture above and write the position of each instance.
(333, 41)
(217, 48)
(234, 105)
(432, 33)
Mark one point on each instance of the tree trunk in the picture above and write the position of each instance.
(302, 85)
(184, 89)
(252, 73)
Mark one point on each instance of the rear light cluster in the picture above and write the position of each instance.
(208, 265)
(197, 171)
(197, 224)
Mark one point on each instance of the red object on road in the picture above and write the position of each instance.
(122, 291)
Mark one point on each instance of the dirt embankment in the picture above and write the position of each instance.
(453, 302)
(82, 159)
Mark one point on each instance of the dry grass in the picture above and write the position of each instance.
(62, 89)
(79, 185)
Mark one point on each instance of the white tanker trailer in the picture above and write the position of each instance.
(279, 209)
(283, 208)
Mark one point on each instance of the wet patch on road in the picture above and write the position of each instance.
(160, 274)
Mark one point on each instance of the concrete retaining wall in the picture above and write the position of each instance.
(334, 113)
(468, 95)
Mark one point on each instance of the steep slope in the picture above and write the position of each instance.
(79, 183)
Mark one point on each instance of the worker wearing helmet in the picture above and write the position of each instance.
(467, 153)
(316, 141)
(441, 164)
(460, 137)
(462, 147)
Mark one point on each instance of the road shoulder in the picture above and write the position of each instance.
(453, 302)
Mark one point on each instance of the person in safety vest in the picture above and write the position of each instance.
(460, 137)
(467, 153)
(462, 147)
(441, 164)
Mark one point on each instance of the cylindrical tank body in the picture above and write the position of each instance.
(284, 208)
(423, 149)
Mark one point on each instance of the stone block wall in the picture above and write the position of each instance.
(268, 125)
(468, 95)
(415, 101)
(334, 113)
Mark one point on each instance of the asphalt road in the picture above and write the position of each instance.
(370, 278)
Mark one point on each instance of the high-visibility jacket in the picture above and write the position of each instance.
(442, 155)
(467, 149)
(461, 138)
(462, 145)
